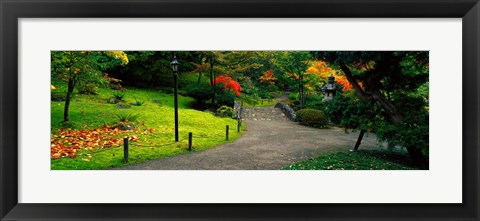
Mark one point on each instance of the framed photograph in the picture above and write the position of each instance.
(322, 110)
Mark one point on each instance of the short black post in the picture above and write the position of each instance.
(226, 133)
(190, 141)
(239, 124)
(262, 101)
(125, 150)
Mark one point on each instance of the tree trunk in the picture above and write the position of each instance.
(71, 85)
(418, 157)
(199, 77)
(300, 91)
(359, 140)
(212, 79)
(393, 113)
(302, 94)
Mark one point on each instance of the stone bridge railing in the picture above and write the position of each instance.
(287, 110)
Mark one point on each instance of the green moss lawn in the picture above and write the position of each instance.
(155, 114)
(356, 160)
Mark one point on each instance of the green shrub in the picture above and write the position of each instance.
(200, 92)
(226, 98)
(296, 103)
(271, 88)
(265, 95)
(127, 121)
(119, 95)
(293, 96)
(138, 102)
(314, 101)
(313, 98)
(127, 117)
(225, 111)
(87, 88)
(312, 118)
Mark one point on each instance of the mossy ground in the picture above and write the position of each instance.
(157, 112)
(356, 160)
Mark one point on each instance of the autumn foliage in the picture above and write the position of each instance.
(267, 77)
(344, 82)
(67, 143)
(321, 69)
(228, 83)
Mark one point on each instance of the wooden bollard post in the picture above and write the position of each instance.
(190, 141)
(125, 150)
(226, 133)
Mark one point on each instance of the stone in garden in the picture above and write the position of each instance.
(112, 100)
(126, 126)
(287, 111)
(123, 106)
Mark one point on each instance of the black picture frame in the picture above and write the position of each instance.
(11, 11)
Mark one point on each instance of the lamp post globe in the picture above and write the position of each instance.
(175, 64)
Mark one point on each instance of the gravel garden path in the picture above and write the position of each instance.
(271, 142)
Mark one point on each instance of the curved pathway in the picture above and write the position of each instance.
(270, 143)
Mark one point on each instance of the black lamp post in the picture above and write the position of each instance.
(175, 64)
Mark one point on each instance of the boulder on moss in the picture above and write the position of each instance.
(126, 126)
(123, 106)
(113, 100)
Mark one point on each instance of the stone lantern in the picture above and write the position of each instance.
(330, 88)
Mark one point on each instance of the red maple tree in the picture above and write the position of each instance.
(228, 83)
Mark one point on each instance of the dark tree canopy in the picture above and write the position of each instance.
(395, 82)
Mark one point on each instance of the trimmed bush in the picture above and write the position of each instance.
(200, 92)
(226, 98)
(317, 105)
(312, 118)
